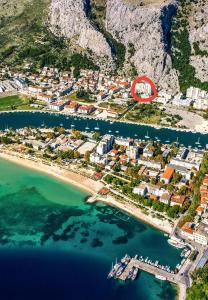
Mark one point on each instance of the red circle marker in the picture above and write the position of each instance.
(148, 80)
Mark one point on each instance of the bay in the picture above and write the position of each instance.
(55, 246)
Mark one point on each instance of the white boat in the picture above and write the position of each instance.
(176, 243)
(147, 136)
(160, 277)
(198, 141)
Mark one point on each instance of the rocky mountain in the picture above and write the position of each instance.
(166, 40)
(198, 22)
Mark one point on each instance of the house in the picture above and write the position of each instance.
(104, 191)
(200, 210)
(141, 189)
(45, 97)
(36, 89)
(165, 198)
(101, 96)
(86, 109)
(112, 113)
(201, 234)
(58, 106)
(167, 175)
(72, 107)
(98, 175)
(177, 200)
(147, 152)
(187, 231)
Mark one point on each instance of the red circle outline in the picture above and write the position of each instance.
(148, 80)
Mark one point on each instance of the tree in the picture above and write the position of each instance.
(87, 156)
(96, 136)
(173, 211)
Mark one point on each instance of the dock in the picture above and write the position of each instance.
(141, 265)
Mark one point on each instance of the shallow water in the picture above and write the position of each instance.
(55, 246)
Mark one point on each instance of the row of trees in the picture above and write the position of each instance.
(171, 211)
(197, 181)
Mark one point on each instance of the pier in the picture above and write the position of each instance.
(152, 269)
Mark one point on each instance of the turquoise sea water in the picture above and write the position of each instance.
(55, 246)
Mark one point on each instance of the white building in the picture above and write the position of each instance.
(105, 144)
(132, 152)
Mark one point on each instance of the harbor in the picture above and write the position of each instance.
(129, 130)
(129, 267)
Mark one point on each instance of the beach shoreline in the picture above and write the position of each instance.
(91, 187)
(88, 185)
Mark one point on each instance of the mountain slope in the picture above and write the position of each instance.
(166, 40)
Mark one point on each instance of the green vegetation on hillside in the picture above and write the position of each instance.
(25, 38)
(198, 51)
(181, 52)
(199, 289)
(96, 14)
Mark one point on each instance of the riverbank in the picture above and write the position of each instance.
(200, 129)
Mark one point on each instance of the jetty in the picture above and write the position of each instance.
(150, 268)
(129, 267)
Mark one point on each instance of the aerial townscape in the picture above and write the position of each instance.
(104, 149)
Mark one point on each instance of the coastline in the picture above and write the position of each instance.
(90, 186)
(86, 184)
(138, 214)
(158, 127)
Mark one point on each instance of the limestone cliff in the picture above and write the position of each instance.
(68, 18)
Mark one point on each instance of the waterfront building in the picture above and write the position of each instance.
(58, 106)
(105, 144)
(201, 234)
(165, 197)
(141, 189)
(123, 142)
(187, 231)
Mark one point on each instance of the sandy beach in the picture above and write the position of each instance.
(86, 184)
(164, 226)
(90, 186)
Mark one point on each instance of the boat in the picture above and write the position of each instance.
(198, 141)
(176, 242)
(160, 277)
(97, 127)
(135, 273)
(147, 136)
(87, 127)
